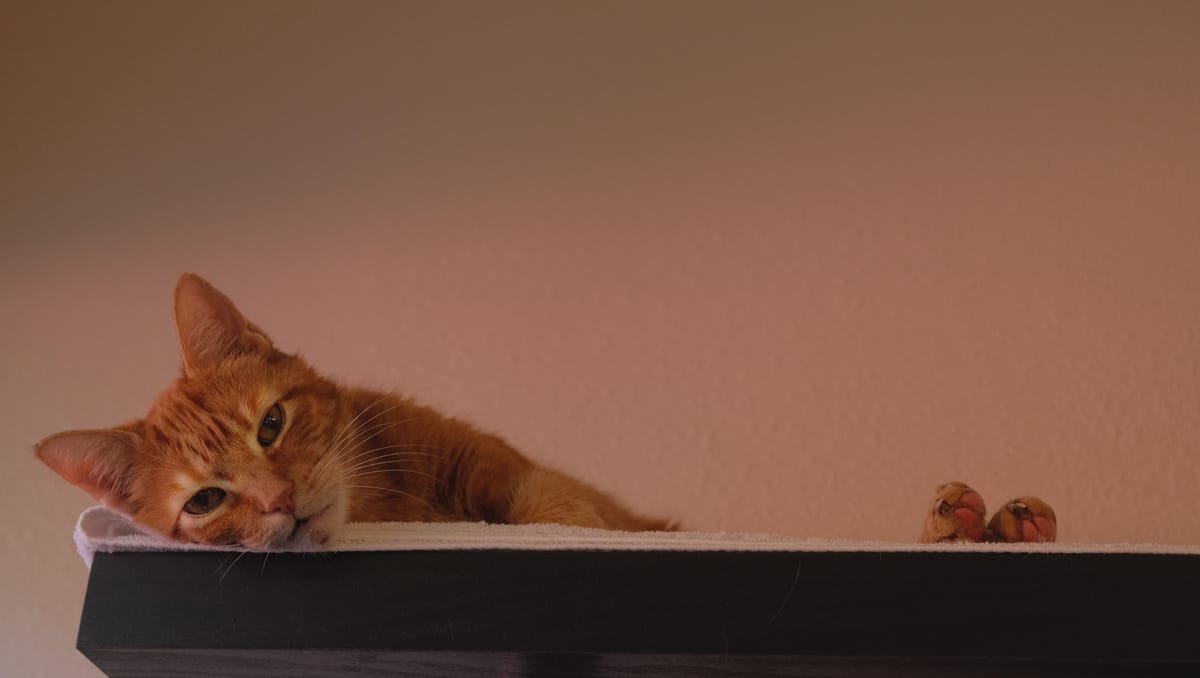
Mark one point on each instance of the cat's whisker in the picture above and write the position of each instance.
(367, 456)
(361, 412)
(351, 431)
(361, 432)
(351, 428)
(395, 463)
(221, 564)
(436, 480)
(345, 442)
(411, 453)
(365, 434)
(389, 489)
(230, 568)
(349, 463)
(390, 462)
(326, 459)
(363, 425)
(357, 438)
(386, 459)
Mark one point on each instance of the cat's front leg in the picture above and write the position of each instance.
(542, 495)
(545, 496)
(487, 479)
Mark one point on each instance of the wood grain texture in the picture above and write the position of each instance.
(648, 613)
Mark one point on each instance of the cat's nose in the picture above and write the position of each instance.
(280, 503)
(277, 498)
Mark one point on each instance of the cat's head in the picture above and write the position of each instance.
(235, 451)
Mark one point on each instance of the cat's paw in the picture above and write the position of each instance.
(1024, 519)
(956, 514)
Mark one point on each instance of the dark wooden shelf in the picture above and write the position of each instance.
(572, 613)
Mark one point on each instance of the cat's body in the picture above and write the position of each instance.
(251, 446)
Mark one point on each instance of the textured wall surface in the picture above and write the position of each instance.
(757, 267)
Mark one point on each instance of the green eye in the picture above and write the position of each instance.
(272, 424)
(204, 501)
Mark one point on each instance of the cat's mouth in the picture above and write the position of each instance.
(301, 522)
(304, 530)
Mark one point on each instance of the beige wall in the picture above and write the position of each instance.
(759, 267)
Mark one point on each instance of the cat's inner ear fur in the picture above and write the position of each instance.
(211, 328)
(99, 461)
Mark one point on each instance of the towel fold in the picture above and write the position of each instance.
(104, 530)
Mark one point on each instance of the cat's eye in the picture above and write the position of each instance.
(204, 501)
(272, 424)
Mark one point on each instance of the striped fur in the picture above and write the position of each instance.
(343, 454)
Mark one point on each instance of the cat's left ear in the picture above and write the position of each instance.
(211, 328)
(100, 462)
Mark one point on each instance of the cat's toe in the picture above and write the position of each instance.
(1024, 519)
(956, 514)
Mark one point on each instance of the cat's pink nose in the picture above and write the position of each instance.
(282, 502)
(276, 497)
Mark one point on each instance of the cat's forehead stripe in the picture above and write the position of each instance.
(193, 435)
(202, 403)
(197, 399)
(223, 428)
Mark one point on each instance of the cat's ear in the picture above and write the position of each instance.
(99, 461)
(210, 326)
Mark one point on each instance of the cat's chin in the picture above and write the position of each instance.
(318, 530)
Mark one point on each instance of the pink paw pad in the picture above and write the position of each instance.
(1039, 528)
(969, 510)
(972, 521)
(1032, 523)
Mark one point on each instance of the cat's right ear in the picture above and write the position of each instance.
(99, 461)
(211, 328)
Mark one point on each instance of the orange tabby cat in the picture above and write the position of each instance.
(251, 446)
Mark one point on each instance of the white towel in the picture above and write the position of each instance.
(107, 531)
